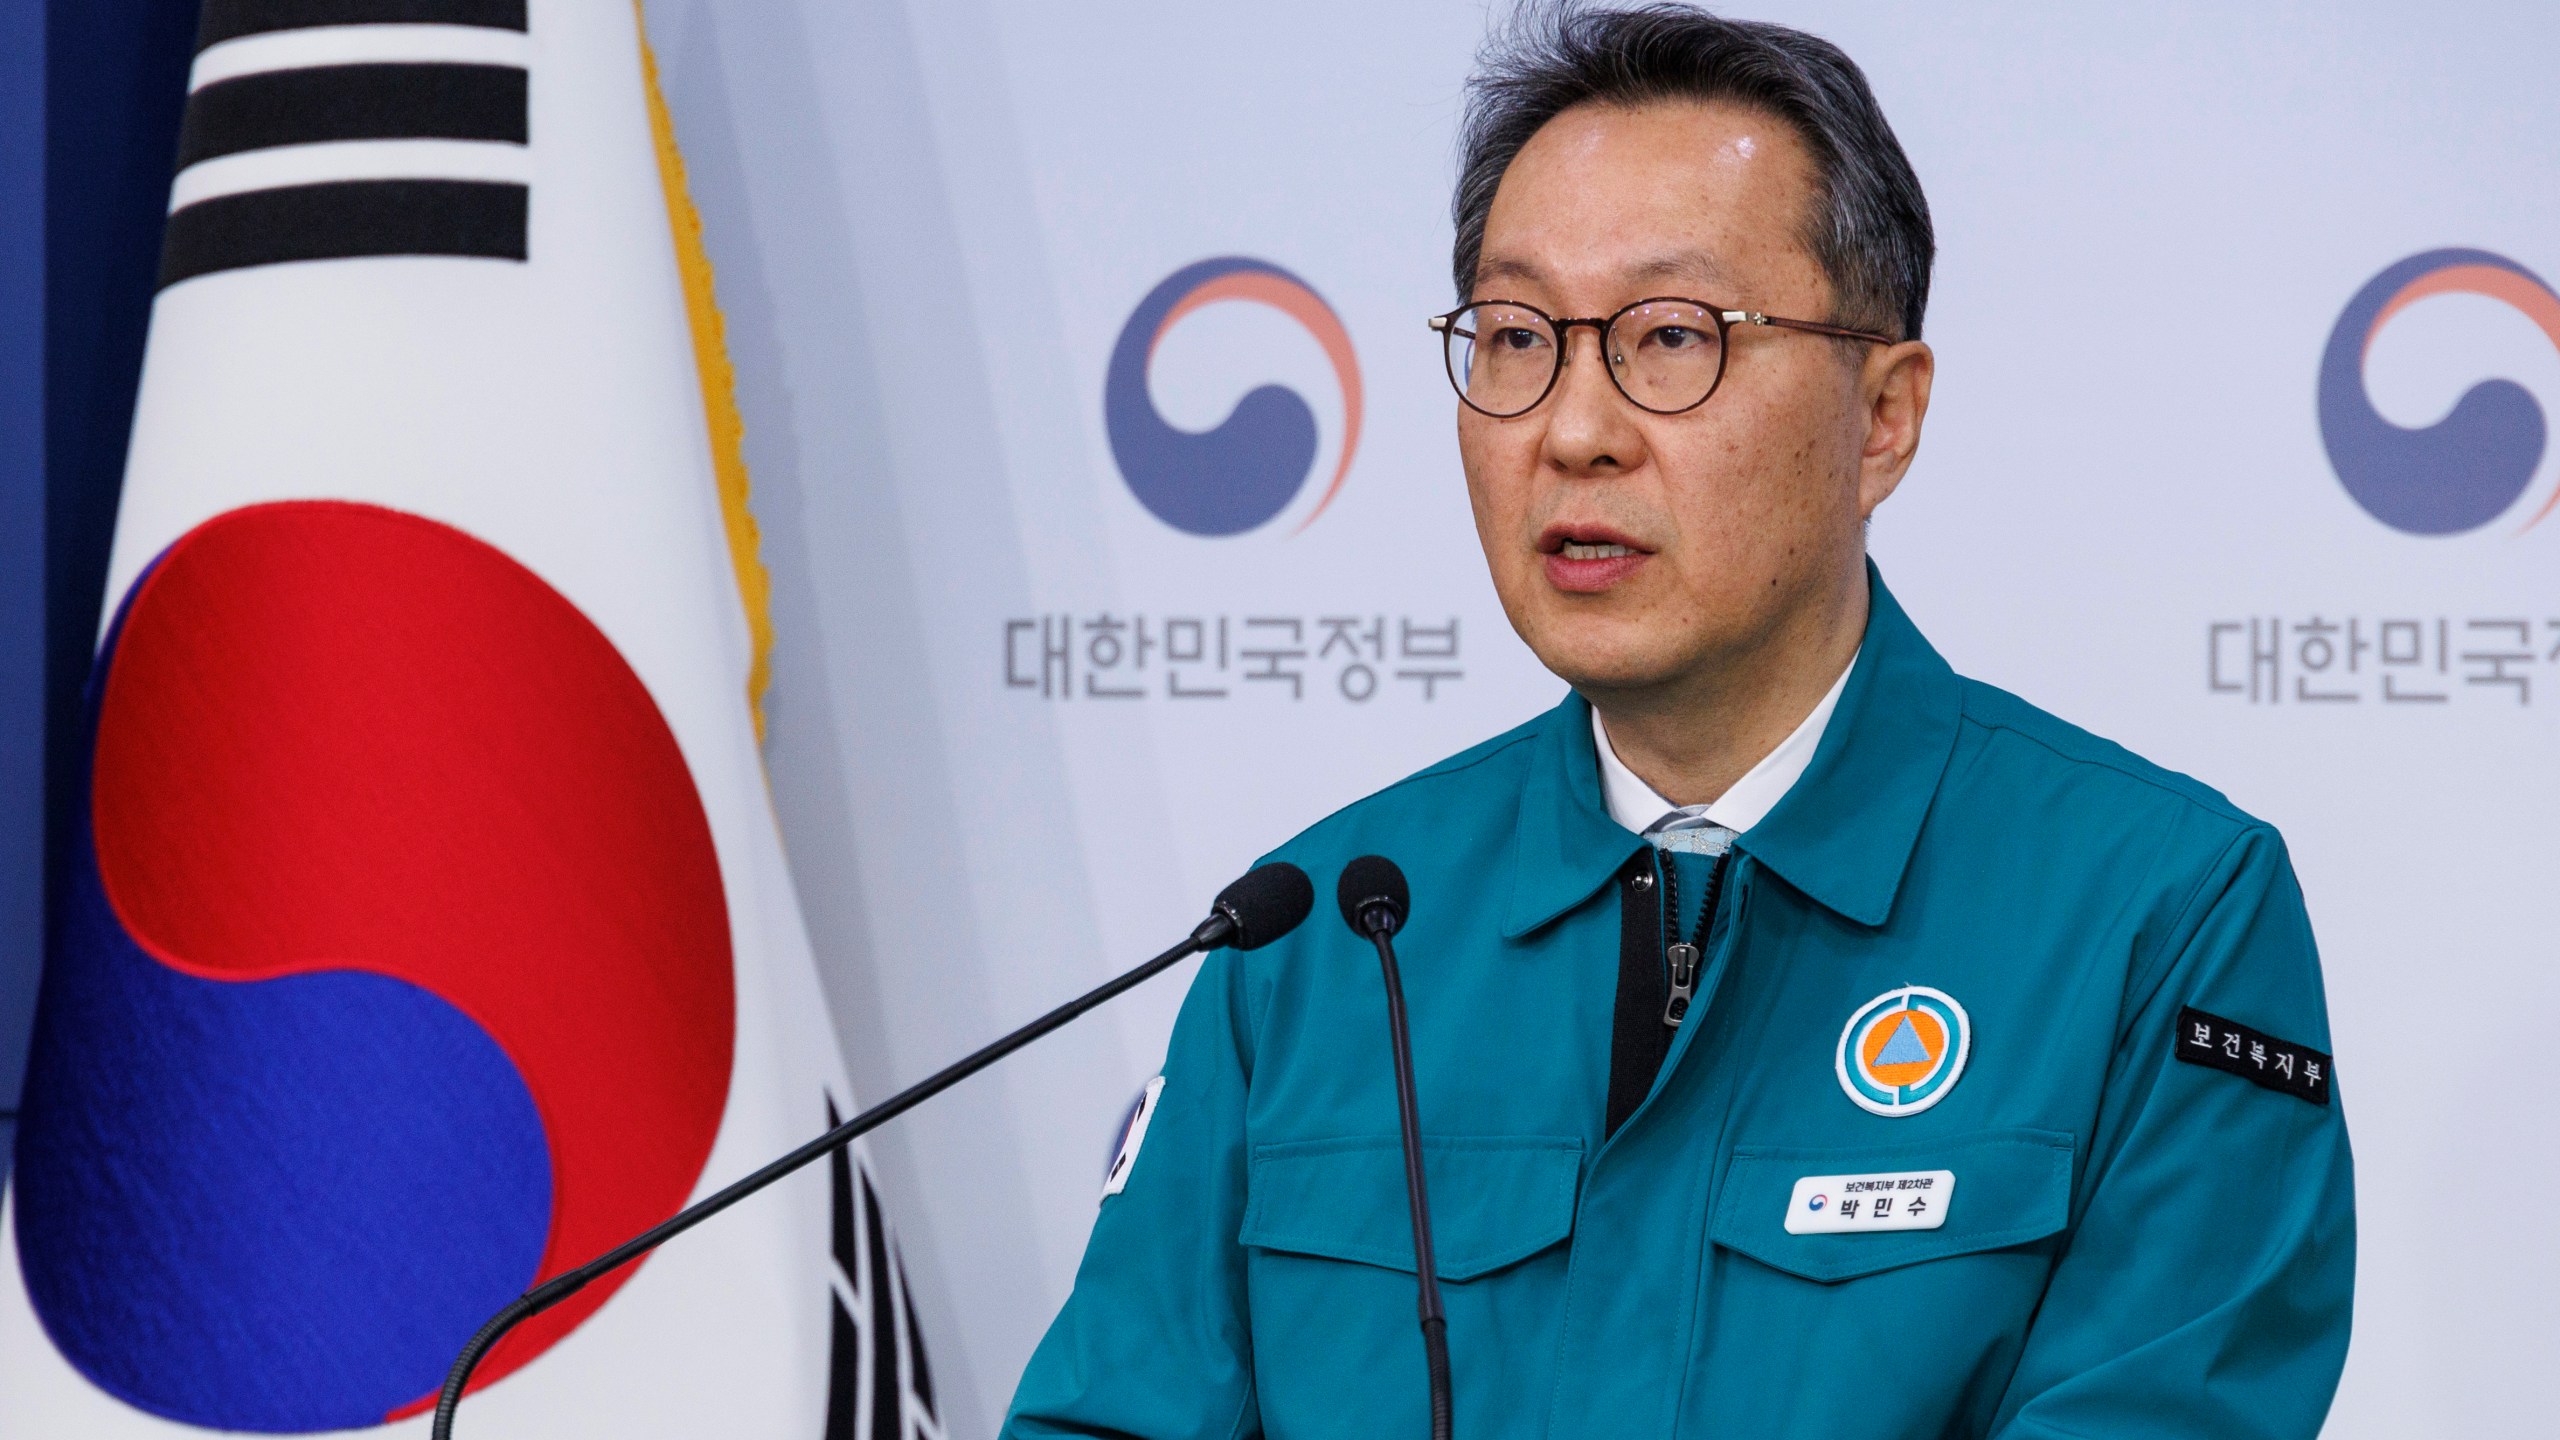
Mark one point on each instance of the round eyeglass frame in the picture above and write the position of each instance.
(1447, 326)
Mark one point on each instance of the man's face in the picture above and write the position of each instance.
(1633, 549)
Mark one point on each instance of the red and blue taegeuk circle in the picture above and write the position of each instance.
(393, 975)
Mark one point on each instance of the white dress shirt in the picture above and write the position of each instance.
(1640, 808)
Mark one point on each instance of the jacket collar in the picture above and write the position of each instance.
(1843, 835)
(1565, 845)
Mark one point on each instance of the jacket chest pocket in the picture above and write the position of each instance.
(1495, 1201)
(2009, 1187)
(1329, 1274)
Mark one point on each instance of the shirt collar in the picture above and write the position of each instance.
(1843, 833)
(1639, 807)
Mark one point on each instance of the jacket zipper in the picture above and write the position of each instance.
(1682, 955)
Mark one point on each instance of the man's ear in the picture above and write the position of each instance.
(1894, 388)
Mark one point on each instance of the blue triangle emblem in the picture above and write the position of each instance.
(1904, 1048)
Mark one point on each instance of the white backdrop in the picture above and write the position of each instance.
(932, 220)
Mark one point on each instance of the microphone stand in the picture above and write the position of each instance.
(1435, 1323)
(1218, 929)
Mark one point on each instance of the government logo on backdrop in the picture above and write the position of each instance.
(1247, 469)
(2465, 470)
(2455, 476)
(1253, 467)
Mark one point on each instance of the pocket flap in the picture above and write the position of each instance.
(1495, 1200)
(2011, 1186)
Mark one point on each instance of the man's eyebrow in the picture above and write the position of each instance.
(1503, 267)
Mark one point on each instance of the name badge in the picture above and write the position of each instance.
(1846, 1204)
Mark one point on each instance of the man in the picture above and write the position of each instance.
(1810, 1042)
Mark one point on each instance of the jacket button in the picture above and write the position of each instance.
(1642, 879)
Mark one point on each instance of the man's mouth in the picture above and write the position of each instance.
(1585, 560)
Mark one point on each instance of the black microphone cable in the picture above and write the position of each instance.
(1264, 905)
(1374, 902)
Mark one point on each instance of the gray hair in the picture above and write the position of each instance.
(1869, 226)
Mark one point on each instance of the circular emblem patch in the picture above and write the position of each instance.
(1904, 1050)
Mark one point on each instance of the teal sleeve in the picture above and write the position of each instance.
(1153, 1342)
(2206, 1285)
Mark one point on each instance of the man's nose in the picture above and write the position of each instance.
(1592, 429)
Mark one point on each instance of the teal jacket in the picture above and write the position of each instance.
(2144, 1218)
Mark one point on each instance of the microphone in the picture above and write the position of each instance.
(1260, 907)
(1374, 902)
(1263, 904)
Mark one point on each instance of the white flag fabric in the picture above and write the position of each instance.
(428, 930)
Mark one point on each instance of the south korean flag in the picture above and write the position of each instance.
(427, 929)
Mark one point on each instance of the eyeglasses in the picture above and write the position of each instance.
(1665, 354)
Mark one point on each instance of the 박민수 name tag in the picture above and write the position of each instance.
(1845, 1204)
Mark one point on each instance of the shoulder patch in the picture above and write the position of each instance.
(1133, 1134)
(2235, 1049)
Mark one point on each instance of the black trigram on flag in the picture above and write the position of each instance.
(878, 1385)
(334, 129)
